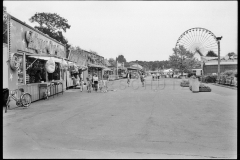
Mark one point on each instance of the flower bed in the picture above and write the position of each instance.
(184, 83)
(204, 89)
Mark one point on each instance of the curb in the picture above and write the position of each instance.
(235, 88)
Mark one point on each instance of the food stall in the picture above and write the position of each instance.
(34, 59)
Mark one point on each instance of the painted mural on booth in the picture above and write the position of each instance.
(26, 39)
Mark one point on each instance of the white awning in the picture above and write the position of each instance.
(59, 60)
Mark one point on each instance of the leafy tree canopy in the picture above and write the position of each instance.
(4, 24)
(112, 61)
(121, 59)
(211, 54)
(52, 21)
(231, 54)
(182, 59)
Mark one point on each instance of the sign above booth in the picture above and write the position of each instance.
(25, 38)
(78, 56)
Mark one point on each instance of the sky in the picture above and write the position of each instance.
(138, 30)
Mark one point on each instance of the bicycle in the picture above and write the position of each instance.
(25, 99)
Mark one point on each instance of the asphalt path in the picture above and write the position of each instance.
(160, 120)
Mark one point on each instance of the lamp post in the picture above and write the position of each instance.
(218, 42)
(137, 66)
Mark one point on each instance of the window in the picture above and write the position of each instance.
(35, 70)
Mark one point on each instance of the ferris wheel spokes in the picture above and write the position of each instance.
(198, 39)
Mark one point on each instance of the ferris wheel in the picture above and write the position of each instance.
(198, 40)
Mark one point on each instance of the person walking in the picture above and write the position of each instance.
(153, 76)
(95, 82)
(89, 83)
(129, 76)
(105, 80)
(158, 75)
(142, 79)
(81, 81)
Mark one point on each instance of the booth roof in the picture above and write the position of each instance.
(131, 68)
(56, 59)
(106, 69)
(95, 65)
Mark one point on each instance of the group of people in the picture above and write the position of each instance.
(155, 76)
(129, 76)
(93, 83)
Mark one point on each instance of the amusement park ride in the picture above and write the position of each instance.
(200, 41)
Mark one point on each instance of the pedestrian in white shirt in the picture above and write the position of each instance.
(95, 82)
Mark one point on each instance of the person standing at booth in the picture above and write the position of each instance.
(95, 82)
(89, 83)
(38, 76)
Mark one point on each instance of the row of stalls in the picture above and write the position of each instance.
(34, 61)
(88, 63)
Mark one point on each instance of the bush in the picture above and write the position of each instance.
(210, 78)
(229, 73)
(191, 74)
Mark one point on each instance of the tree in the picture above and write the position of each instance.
(211, 54)
(4, 24)
(52, 24)
(112, 61)
(182, 59)
(121, 59)
(231, 54)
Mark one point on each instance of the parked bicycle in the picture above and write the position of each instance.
(25, 99)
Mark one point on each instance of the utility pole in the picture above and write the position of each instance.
(117, 68)
(137, 65)
(218, 42)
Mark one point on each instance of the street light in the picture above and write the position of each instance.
(218, 42)
(137, 65)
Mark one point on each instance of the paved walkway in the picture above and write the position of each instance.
(167, 121)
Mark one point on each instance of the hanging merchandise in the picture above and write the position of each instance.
(14, 61)
(75, 67)
(64, 65)
(50, 65)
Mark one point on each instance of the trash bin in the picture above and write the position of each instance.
(195, 85)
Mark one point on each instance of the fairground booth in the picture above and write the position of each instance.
(77, 60)
(34, 60)
(96, 65)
